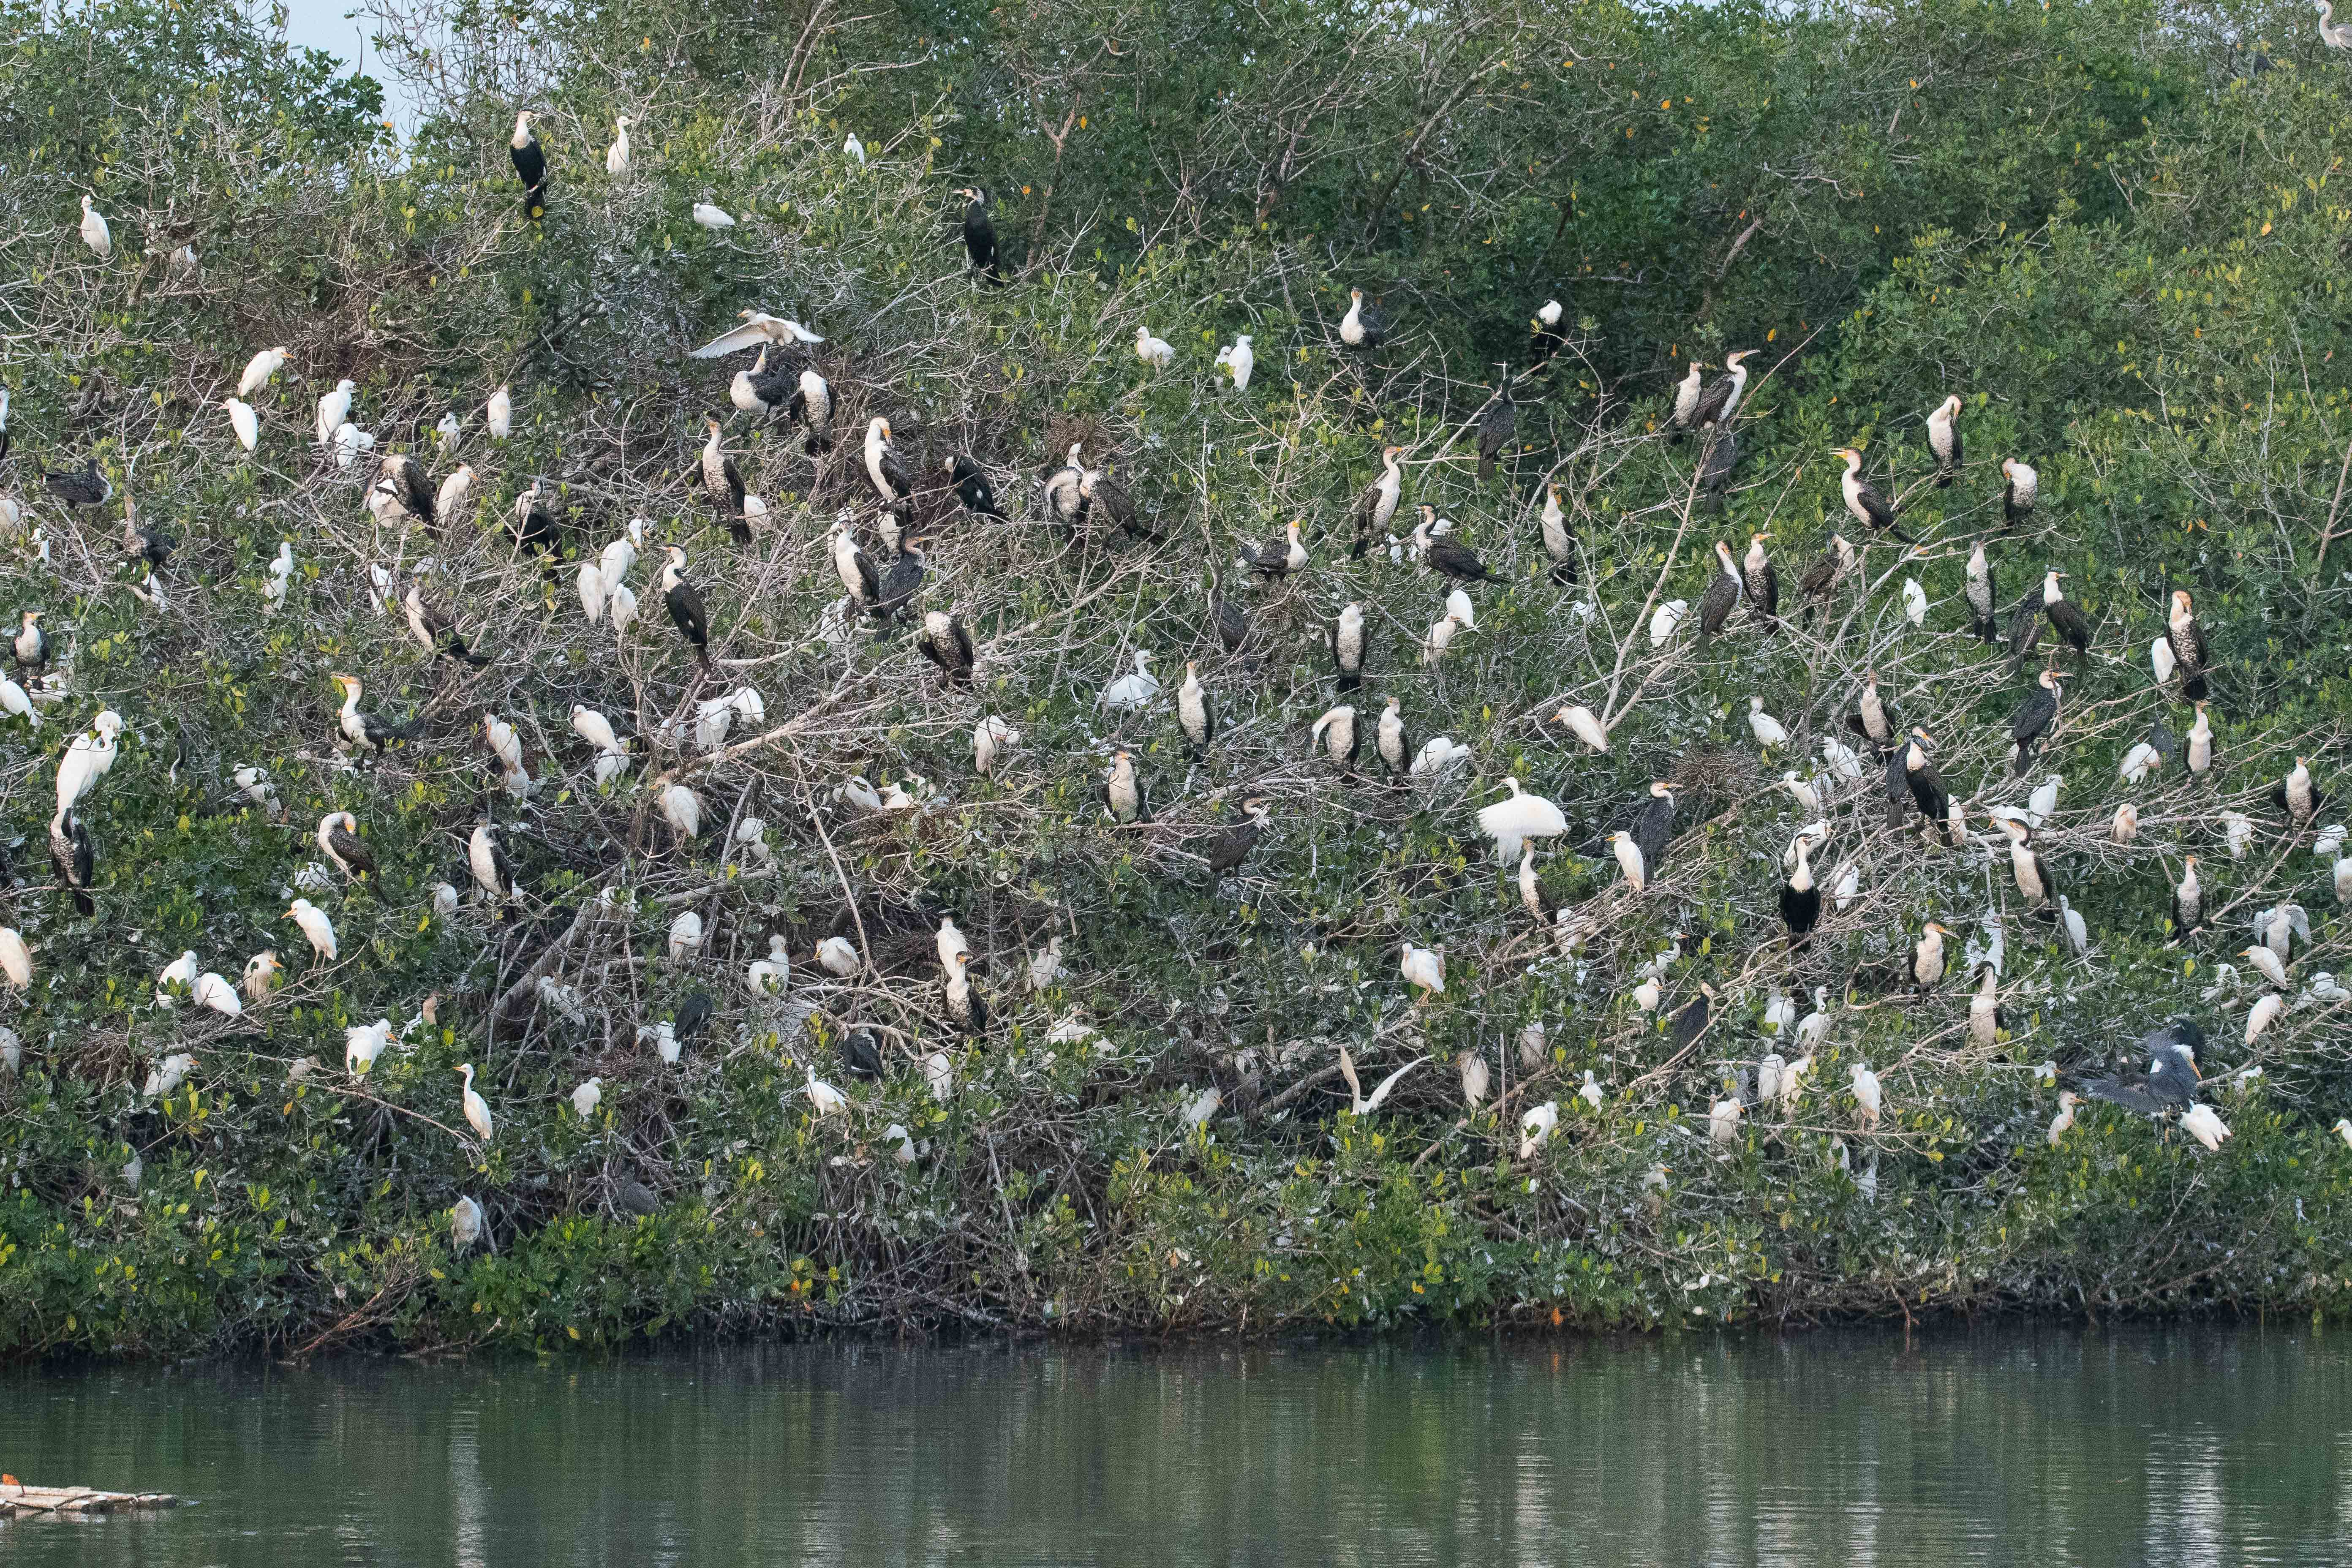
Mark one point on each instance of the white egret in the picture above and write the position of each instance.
(94, 232)
(1770, 733)
(1510, 823)
(768, 976)
(314, 925)
(1157, 353)
(478, 1110)
(165, 1077)
(839, 956)
(2204, 1123)
(1584, 725)
(1537, 1125)
(1869, 1098)
(1424, 968)
(2064, 1122)
(587, 1097)
(685, 936)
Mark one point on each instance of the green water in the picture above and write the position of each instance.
(2028, 1444)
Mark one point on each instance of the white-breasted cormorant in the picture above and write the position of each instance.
(2066, 617)
(1377, 506)
(1559, 538)
(1762, 582)
(1722, 595)
(413, 487)
(369, 730)
(434, 630)
(1801, 899)
(1911, 777)
(1869, 507)
(31, 644)
(1100, 489)
(339, 840)
(1279, 556)
(1195, 715)
(1364, 326)
(2191, 655)
(722, 484)
(1347, 646)
(881, 466)
(1339, 734)
(810, 405)
(1944, 439)
(855, 569)
(2187, 898)
(74, 857)
(684, 601)
(493, 873)
(1685, 417)
(529, 164)
(1983, 597)
(1442, 554)
(1392, 742)
(2021, 489)
(1719, 404)
(2027, 867)
(2297, 796)
(946, 641)
(1121, 791)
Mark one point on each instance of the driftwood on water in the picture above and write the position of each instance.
(18, 1500)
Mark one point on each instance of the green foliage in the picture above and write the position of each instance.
(2098, 223)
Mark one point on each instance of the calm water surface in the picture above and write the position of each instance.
(2014, 1446)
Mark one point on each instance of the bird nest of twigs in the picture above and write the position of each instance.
(1088, 430)
(1708, 779)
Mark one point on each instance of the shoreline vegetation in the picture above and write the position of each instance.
(574, 972)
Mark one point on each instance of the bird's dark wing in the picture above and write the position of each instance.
(2130, 1093)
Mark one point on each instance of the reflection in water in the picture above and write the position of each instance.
(2032, 1444)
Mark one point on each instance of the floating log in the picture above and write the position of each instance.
(18, 1500)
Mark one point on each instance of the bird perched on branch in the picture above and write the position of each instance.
(980, 235)
(972, 486)
(1862, 499)
(1944, 440)
(1376, 508)
(683, 602)
(1364, 326)
(529, 166)
(1498, 422)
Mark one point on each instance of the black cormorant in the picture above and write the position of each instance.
(685, 603)
(1100, 489)
(2031, 722)
(1718, 456)
(1498, 422)
(900, 583)
(2170, 1080)
(1653, 826)
(1828, 569)
(2025, 628)
(88, 487)
(1233, 845)
(980, 235)
(972, 487)
(535, 527)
